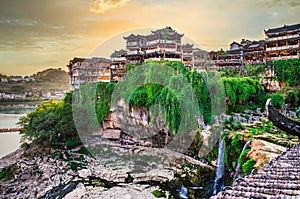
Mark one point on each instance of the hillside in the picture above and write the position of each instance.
(49, 80)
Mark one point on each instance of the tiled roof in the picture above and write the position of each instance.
(285, 28)
(119, 53)
(167, 29)
(187, 45)
(235, 52)
(255, 44)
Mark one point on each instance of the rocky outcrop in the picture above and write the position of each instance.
(53, 175)
(136, 125)
(262, 151)
(124, 191)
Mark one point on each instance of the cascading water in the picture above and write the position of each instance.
(219, 181)
(237, 170)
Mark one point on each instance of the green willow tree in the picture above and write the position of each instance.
(53, 124)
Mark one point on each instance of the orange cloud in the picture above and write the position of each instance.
(101, 6)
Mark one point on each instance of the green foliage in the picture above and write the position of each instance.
(56, 154)
(158, 194)
(51, 124)
(237, 125)
(103, 92)
(71, 143)
(255, 70)
(25, 146)
(233, 125)
(287, 71)
(243, 156)
(292, 98)
(7, 173)
(239, 90)
(235, 143)
(277, 100)
(230, 73)
(247, 116)
(153, 94)
(247, 167)
(75, 166)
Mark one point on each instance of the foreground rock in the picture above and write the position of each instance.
(124, 191)
(74, 175)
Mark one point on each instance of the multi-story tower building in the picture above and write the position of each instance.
(161, 44)
(164, 44)
(283, 42)
(135, 45)
(83, 70)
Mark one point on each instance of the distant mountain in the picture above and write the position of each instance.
(52, 75)
(49, 80)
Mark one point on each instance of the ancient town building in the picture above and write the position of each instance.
(283, 43)
(164, 44)
(254, 53)
(135, 45)
(229, 59)
(83, 70)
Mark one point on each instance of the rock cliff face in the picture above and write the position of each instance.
(137, 125)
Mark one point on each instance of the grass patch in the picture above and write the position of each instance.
(159, 194)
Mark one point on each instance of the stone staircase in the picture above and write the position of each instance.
(278, 179)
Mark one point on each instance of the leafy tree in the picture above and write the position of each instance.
(51, 124)
(255, 70)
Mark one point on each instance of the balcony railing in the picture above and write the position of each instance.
(118, 58)
(152, 50)
(282, 37)
(153, 59)
(283, 57)
(282, 48)
(132, 52)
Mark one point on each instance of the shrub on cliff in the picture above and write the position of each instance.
(248, 166)
(277, 100)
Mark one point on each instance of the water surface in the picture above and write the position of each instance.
(10, 141)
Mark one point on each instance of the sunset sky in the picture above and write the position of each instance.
(38, 34)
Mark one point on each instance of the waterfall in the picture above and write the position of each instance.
(219, 181)
(237, 170)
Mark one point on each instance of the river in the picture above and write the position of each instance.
(9, 142)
